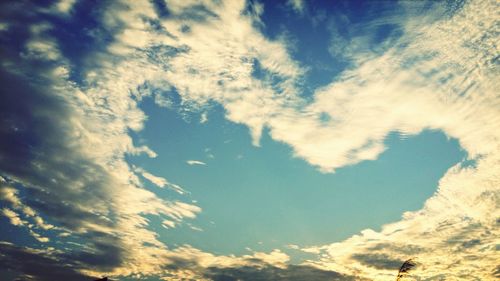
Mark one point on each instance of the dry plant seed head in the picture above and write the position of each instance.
(405, 269)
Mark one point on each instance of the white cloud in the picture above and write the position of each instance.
(16, 220)
(159, 181)
(13, 217)
(437, 81)
(168, 224)
(9, 195)
(413, 86)
(204, 118)
(42, 49)
(195, 162)
(195, 228)
(85, 176)
(275, 257)
(419, 84)
(64, 6)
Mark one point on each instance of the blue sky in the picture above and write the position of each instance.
(248, 140)
(280, 199)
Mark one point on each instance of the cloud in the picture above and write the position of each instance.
(42, 265)
(159, 181)
(63, 144)
(187, 262)
(379, 261)
(290, 273)
(16, 220)
(63, 156)
(168, 224)
(429, 80)
(65, 6)
(195, 162)
(204, 118)
(195, 228)
(415, 82)
(297, 5)
(42, 49)
(13, 217)
(9, 195)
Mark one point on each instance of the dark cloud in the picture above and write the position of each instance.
(42, 148)
(378, 261)
(496, 272)
(179, 263)
(105, 254)
(469, 237)
(24, 263)
(471, 243)
(38, 156)
(35, 151)
(269, 272)
(56, 181)
(406, 249)
(198, 13)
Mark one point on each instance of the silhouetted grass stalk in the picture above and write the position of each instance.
(405, 268)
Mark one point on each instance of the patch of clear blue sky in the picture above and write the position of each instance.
(263, 194)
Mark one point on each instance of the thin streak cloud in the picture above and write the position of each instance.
(196, 162)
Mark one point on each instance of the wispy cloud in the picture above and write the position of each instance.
(297, 5)
(387, 91)
(159, 181)
(195, 162)
(204, 118)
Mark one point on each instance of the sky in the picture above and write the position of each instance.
(249, 140)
